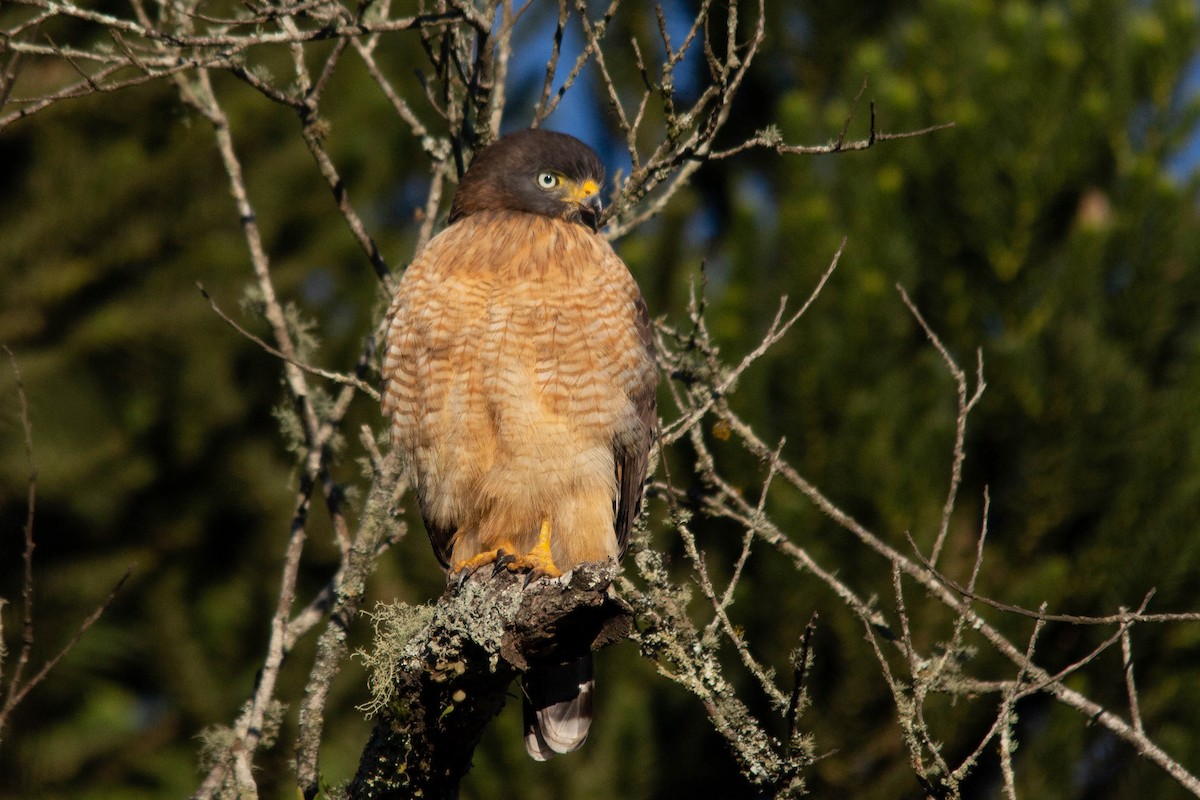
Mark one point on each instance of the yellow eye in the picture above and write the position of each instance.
(547, 180)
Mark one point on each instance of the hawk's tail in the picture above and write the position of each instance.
(558, 707)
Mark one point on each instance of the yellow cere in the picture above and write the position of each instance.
(586, 189)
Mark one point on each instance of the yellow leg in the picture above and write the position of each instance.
(539, 560)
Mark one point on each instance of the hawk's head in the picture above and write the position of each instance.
(536, 171)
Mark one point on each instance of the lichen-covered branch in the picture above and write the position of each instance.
(440, 673)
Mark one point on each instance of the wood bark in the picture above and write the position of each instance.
(455, 677)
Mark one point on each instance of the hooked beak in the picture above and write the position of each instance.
(587, 199)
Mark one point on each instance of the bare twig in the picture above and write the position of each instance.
(543, 107)
(249, 727)
(776, 331)
(799, 672)
(27, 632)
(18, 688)
(346, 591)
(18, 693)
(770, 140)
(965, 405)
(336, 377)
(1074, 619)
(1135, 711)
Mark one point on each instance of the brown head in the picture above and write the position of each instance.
(535, 171)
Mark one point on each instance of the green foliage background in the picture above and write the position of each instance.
(1048, 229)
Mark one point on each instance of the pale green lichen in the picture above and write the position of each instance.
(411, 638)
(396, 624)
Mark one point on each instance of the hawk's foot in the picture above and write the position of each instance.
(537, 562)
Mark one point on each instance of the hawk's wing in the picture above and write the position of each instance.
(633, 457)
(396, 353)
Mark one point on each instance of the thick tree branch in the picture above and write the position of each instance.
(441, 674)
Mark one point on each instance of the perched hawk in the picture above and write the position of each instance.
(519, 379)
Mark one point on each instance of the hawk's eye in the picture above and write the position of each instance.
(547, 180)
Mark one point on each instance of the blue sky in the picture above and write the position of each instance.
(579, 113)
(1187, 160)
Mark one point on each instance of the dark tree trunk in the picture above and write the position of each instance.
(454, 673)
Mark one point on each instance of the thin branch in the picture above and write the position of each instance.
(1074, 619)
(249, 727)
(1135, 711)
(17, 694)
(346, 591)
(912, 707)
(1005, 714)
(743, 649)
(543, 109)
(949, 596)
(433, 200)
(313, 133)
(27, 630)
(965, 407)
(747, 541)
(234, 43)
(769, 140)
(1006, 758)
(777, 330)
(336, 377)
(799, 673)
(401, 106)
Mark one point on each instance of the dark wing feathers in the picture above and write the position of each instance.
(442, 538)
(633, 457)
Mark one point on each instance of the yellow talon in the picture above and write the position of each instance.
(538, 561)
(481, 559)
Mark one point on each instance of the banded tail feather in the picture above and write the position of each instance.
(558, 707)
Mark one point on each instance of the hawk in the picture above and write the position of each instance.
(519, 379)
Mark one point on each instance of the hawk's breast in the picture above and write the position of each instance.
(515, 352)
